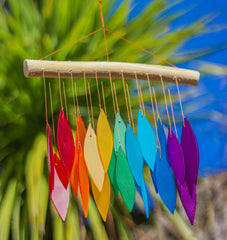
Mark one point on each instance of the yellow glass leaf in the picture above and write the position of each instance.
(102, 199)
(104, 139)
(92, 158)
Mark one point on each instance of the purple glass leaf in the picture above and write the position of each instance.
(188, 201)
(191, 155)
(176, 157)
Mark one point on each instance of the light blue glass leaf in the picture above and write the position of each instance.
(146, 138)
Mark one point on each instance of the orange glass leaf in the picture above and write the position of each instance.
(74, 178)
(50, 158)
(61, 171)
(80, 132)
(104, 139)
(92, 158)
(102, 199)
(83, 182)
(60, 197)
(65, 143)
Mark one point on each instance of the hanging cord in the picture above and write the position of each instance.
(171, 105)
(103, 96)
(52, 116)
(85, 88)
(163, 89)
(74, 104)
(111, 86)
(77, 103)
(137, 86)
(178, 91)
(152, 105)
(141, 97)
(45, 97)
(59, 86)
(104, 31)
(66, 109)
(130, 107)
(89, 91)
(97, 85)
(126, 101)
(118, 110)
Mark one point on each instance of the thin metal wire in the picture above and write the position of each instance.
(103, 96)
(182, 113)
(92, 117)
(171, 105)
(45, 97)
(59, 86)
(130, 107)
(66, 108)
(52, 116)
(97, 84)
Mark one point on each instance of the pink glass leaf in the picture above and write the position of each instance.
(176, 157)
(65, 143)
(62, 175)
(60, 197)
(191, 155)
(188, 201)
(50, 158)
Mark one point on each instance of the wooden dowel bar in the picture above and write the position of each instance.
(35, 68)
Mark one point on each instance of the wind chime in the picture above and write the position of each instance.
(101, 159)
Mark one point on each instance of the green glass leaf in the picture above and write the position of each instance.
(125, 180)
(112, 173)
(119, 134)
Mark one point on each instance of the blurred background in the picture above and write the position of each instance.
(190, 34)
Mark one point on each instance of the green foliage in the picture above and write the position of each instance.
(33, 29)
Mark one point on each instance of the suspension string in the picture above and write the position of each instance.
(66, 109)
(126, 101)
(152, 104)
(171, 105)
(97, 84)
(137, 86)
(52, 116)
(144, 50)
(70, 44)
(85, 88)
(45, 97)
(103, 96)
(92, 117)
(141, 97)
(74, 104)
(77, 103)
(130, 107)
(156, 105)
(178, 91)
(59, 86)
(163, 89)
(103, 27)
(111, 86)
(116, 98)
(158, 117)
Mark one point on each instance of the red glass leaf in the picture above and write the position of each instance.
(176, 157)
(61, 171)
(191, 155)
(50, 158)
(65, 143)
(80, 132)
(60, 197)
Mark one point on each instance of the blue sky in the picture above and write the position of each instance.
(209, 100)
